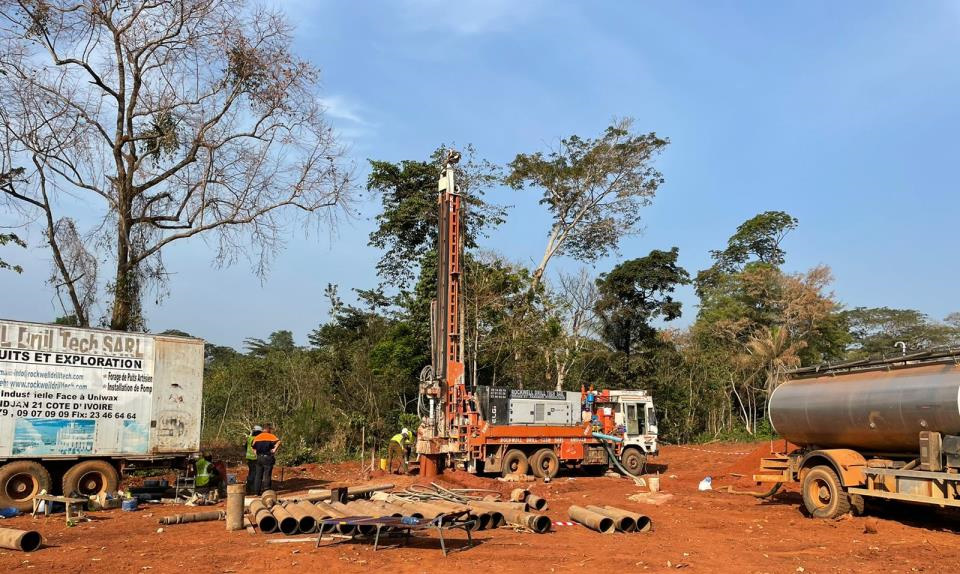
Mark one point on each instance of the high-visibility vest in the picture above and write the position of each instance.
(203, 472)
(251, 454)
(400, 439)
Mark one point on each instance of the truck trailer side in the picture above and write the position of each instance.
(78, 405)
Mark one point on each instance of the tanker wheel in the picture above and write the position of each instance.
(545, 463)
(90, 478)
(823, 495)
(634, 460)
(20, 481)
(515, 462)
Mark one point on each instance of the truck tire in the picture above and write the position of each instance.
(634, 460)
(545, 463)
(823, 495)
(90, 478)
(20, 481)
(515, 462)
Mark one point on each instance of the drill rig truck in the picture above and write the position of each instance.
(513, 431)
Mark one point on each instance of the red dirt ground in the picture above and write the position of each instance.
(694, 531)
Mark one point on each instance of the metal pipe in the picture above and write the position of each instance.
(538, 523)
(480, 518)
(331, 512)
(519, 494)
(194, 517)
(262, 517)
(496, 519)
(624, 522)
(534, 502)
(643, 522)
(306, 523)
(592, 520)
(352, 492)
(235, 494)
(22, 540)
(286, 522)
(347, 512)
(269, 498)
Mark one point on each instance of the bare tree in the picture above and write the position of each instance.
(171, 119)
(578, 297)
(594, 189)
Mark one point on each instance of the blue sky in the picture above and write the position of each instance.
(843, 114)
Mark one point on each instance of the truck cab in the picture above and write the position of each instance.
(639, 419)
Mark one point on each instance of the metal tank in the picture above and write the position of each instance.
(876, 411)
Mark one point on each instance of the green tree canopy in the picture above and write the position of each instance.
(876, 330)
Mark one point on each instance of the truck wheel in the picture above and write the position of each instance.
(823, 495)
(634, 460)
(515, 462)
(545, 463)
(20, 481)
(90, 478)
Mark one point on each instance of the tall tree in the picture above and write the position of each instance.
(877, 330)
(594, 189)
(174, 118)
(636, 292)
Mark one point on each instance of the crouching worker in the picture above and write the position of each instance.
(399, 449)
(208, 476)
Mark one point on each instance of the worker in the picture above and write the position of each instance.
(207, 476)
(251, 456)
(265, 445)
(399, 448)
(591, 399)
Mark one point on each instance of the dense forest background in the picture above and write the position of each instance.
(357, 376)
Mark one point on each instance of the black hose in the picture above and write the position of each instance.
(616, 461)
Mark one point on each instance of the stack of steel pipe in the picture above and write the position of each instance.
(324, 495)
(538, 523)
(623, 522)
(285, 521)
(642, 521)
(347, 512)
(331, 512)
(592, 520)
(479, 517)
(306, 523)
(262, 516)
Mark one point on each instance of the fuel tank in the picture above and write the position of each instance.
(880, 411)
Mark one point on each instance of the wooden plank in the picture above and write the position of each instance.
(912, 473)
(904, 497)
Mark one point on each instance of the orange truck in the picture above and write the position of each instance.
(493, 429)
(881, 430)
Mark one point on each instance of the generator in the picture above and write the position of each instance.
(503, 406)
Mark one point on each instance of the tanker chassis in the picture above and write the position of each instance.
(885, 429)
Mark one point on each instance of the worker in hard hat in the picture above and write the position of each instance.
(265, 444)
(251, 456)
(400, 449)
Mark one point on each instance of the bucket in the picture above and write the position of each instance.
(129, 504)
(653, 483)
(383, 464)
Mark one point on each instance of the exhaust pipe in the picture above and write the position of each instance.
(262, 517)
(643, 522)
(592, 520)
(287, 523)
(534, 502)
(623, 522)
(22, 540)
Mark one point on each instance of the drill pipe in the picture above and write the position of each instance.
(480, 518)
(592, 520)
(644, 524)
(623, 522)
(23, 540)
(324, 494)
(269, 498)
(288, 524)
(306, 523)
(539, 523)
(428, 510)
(519, 494)
(262, 517)
(347, 512)
(395, 510)
(235, 494)
(194, 517)
(534, 502)
(331, 512)
(372, 509)
(496, 517)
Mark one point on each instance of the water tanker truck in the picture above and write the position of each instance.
(882, 429)
(77, 406)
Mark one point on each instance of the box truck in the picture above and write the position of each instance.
(78, 405)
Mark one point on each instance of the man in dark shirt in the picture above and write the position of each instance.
(265, 444)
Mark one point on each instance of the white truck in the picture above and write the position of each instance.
(78, 405)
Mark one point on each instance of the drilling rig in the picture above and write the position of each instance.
(496, 429)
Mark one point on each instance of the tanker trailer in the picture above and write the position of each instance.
(887, 429)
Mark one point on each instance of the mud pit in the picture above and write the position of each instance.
(693, 531)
